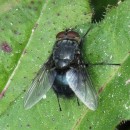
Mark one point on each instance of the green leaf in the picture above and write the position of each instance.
(107, 42)
(110, 43)
(17, 18)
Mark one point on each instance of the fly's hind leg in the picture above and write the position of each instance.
(58, 102)
(78, 102)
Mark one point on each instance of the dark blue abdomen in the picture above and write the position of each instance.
(61, 86)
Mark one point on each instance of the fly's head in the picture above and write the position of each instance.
(68, 34)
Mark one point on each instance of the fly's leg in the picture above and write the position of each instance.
(83, 37)
(78, 102)
(58, 102)
(114, 64)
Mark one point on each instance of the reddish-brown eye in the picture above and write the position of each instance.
(72, 34)
(60, 35)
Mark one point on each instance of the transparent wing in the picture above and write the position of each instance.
(79, 81)
(39, 87)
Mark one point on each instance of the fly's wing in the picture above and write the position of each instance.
(39, 87)
(79, 81)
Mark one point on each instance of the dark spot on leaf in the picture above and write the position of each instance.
(58, 14)
(38, 57)
(5, 47)
(20, 43)
(54, 2)
(19, 21)
(29, 7)
(35, 73)
(32, 2)
(54, 23)
(24, 90)
(85, 13)
(8, 66)
(2, 29)
(123, 125)
(28, 125)
(16, 32)
(41, 38)
(35, 8)
(6, 17)
(7, 125)
(90, 127)
(55, 28)
(7, 114)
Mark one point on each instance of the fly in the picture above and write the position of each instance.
(65, 72)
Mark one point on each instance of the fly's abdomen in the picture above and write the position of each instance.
(61, 86)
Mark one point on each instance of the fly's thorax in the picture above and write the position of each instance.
(61, 64)
(64, 53)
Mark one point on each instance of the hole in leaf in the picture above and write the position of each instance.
(123, 125)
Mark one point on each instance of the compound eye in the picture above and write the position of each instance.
(72, 34)
(60, 35)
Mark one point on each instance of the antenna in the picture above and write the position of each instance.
(86, 33)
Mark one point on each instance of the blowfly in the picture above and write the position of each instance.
(65, 72)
